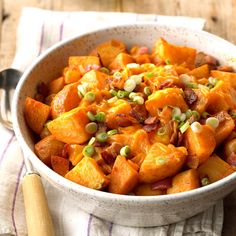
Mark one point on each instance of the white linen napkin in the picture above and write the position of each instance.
(38, 29)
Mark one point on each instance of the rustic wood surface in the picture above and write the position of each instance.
(219, 15)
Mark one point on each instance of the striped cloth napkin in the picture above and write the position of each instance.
(38, 29)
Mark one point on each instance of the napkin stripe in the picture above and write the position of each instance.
(14, 198)
(89, 224)
(61, 31)
(41, 39)
(6, 147)
(110, 229)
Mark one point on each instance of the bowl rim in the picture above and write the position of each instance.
(65, 183)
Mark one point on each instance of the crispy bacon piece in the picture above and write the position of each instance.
(124, 120)
(202, 59)
(162, 184)
(151, 120)
(166, 84)
(149, 128)
(139, 113)
(231, 159)
(110, 153)
(225, 68)
(190, 96)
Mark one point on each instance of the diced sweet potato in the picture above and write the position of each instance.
(225, 128)
(123, 177)
(75, 153)
(48, 147)
(88, 173)
(120, 61)
(72, 76)
(200, 72)
(165, 97)
(175, 54)
(70, 126)
(95, 79)
(162, 161)
(60, 165)
(82, 63)
(214, 168)
(36, 114)
(56, 85)
(184, 181)
(65, 100)
(227, 77)
(201, 104)
(146, 190)
(109, 50)
(199, 145)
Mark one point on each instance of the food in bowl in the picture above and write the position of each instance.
(140, 123)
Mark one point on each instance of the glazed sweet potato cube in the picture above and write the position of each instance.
(146, 190)
(109, 50)
(75, 153)
(200, 72)
(36, 114)
(227, 77)
(199, 145)
(225, 128)
(65, 100)
(48, 147)
(60, 165)
(184, 181)
(95, 79)
(214, 168)
(123, 177)
(82, 63)
(88, 173)
(70, 126)
(201, 104)
(175, 54)
(162, 161)
(56, 85)
(165, 97)
(120, 61)
(72, 76)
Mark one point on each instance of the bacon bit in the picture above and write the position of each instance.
(92, 67)
(110, 153)
(99, 144)
(151, 120)
(124, 120)
(174, 130)
(221, 116)
(65, 151)
(162, 184)
(167, 84)
(39, 97)
(180, 139)
(190, 96)
(139, 112)
(149, 128)
(202, 58)
(42, 89)
(232, 159)
(142, 50)
(225, 68)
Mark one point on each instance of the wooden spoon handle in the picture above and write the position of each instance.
(38, 217)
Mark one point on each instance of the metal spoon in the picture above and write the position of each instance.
(38, 217)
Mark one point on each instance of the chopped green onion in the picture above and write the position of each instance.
(121, 94)
(210, 86)
(129, 85)
(205, 115)
(203, 87)
(176, 113)
(168, 62)
(88, 150)
(188, 114)
(132, 65)
(117, 75)
(100, 116)
(112, 132)
(90, 96)
(184, 127)
(196, 127)
(137, 79)
(147, 91)
(183, 117)
(105, 70)
(192, 85)
(213, 122)
(125, 151)
(91, 116)
(185, 78)
(132, 95)
(205, 181)
(213, 80)
(126, 93)
(196, 115)
(102, 137)
(92, 141)
(149, 75)
(113, 92)
(161, 131)
(82, 89)
(139, 100)
(91, 128)
(112, 100)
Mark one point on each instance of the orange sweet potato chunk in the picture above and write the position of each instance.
(75, 153)
(200, 72)
(72, 76)
(215, 169)
(36, 114)
(228, 77)
(56, 85)
(165, 97)
(162, 161)
(88, 173)
(121, 60)
(48, 147)
(60, 165)
(65, 100)
(175, 54)
(109, 50)
(146, 190)
(70, 126)
(184, 181)
(199, 145)
(123, 177)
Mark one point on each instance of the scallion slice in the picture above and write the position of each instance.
(184, 127)
(196, 127)
(213, 122)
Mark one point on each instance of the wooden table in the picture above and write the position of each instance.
(219, 15)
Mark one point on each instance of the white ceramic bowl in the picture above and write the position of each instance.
(122, 209)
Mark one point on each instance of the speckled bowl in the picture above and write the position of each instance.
(122, 209)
